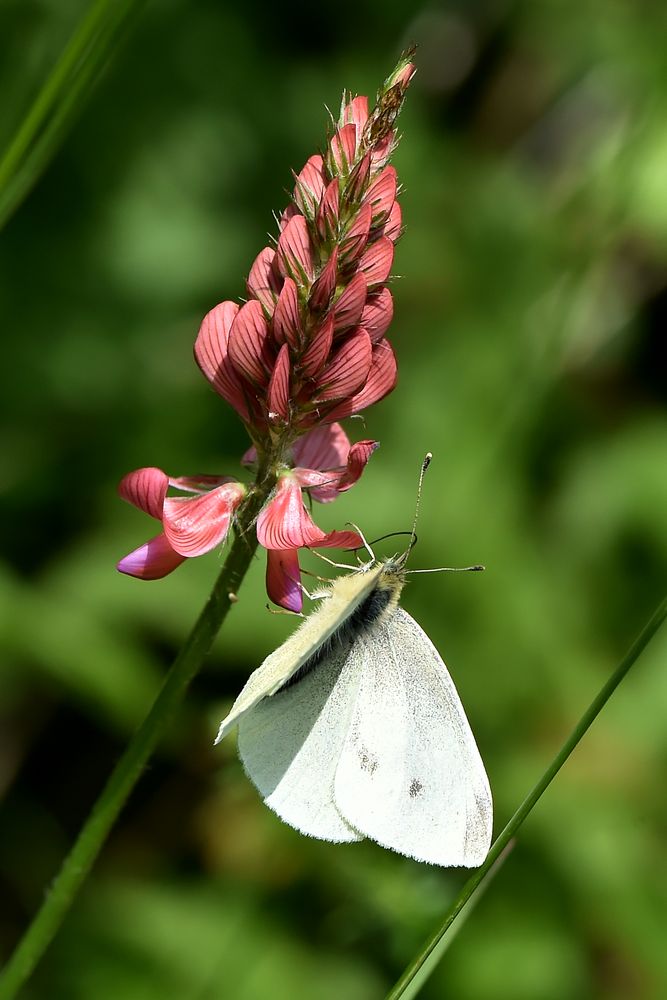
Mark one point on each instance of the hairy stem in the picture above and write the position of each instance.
(428, 956)
(125, 775)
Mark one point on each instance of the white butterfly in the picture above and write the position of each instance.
(353, 728)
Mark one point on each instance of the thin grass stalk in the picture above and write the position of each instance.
(125, 775)
(429, 955)
(62, 95)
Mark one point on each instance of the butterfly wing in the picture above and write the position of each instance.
(290, 744)
(409, 774)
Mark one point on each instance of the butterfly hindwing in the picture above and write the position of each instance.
(409, 774)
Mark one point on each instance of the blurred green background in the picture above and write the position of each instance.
(529, 327)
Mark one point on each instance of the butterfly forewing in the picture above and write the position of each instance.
(290, 743)
(409, 774)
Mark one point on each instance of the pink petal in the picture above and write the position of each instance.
(264, 282)
(323, 289)
(146, 489)
(381, 195)
(343, 148)
(212, 356)
(358, 179)
(382, 150)
(355, 111)
(294, 253)
(283, 575)
(357, 235)
(349, 306)
(378, 314)
(328, 210)
(340, 540)
(310, 186)
(151, 561)
(377, 260)
(199, 484)
(278, 395)
(326, 486)
(287, 318)
(315, 357)
(250, 456)
(249, 349)
(348, 370)
(381, 380)
(194, 525)
(284, 522)
(392, 227)
(288, 213)
(322, 448)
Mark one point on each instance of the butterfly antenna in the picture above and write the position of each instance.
(422, 473)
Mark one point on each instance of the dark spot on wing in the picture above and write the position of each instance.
(415, 788)
(367, 760)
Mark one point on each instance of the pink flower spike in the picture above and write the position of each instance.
(348, 370)
(315, 357)
(378, 314)
(324, 447)
(348, 309)
(263, 281)
(278, 395)
(377, 260)
(310, 185)
(381, 195)
(152, 560)
(248, 348)
(146, 489)
(381, 380)
(294, 253)
(283, 575)
(195, 525)
(286, 318)
(343, 148)
(393, 226)
(212, 356)
(323, 289)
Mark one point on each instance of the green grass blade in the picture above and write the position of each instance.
(60, 99)
(428, 956)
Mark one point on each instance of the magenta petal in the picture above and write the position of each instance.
(322, 448)
(356, 237)
(264, 282)
(287, 318)
(248, 348)
(278, 395)
(326, 486)
(310, 185)
(378, 314)
(377, 260)
(349, 306)
(381, 195)
(146, 489)
(199, 484)
(316, 356)
(194, 525)
(294, 253)
(151, 561)
(340, 540)
(249, 456)
(283, 575)
(212, 355)
(381, 380)
(348, 370)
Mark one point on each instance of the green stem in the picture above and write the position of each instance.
(58, 100)
(432, 949)
(80, 859)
